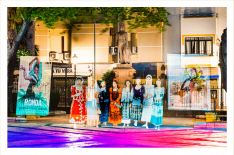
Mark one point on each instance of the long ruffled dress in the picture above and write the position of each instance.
(137, 101)
(104, 103)
(126, 100)
(157, 108)
(115, 116)
(78, 113)
(147, 103)
(92, 108)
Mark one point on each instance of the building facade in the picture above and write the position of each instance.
(87, 50)
(196, 34)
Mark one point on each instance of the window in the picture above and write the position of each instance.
(199, 45)
(198, 12)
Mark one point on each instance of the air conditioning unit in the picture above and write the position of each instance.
(53, 56)
(66, 55)
(113, 50)
(134, 50)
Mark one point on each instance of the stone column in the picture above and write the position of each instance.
(124, 72)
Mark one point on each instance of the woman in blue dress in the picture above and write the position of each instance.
(137, 100)
(126, 100)
(148, 101)
(157, 109)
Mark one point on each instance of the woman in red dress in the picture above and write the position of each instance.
(78, 113)
(115, 116)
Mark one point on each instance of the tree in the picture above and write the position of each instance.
(72, 17)
(25, 18)
(108, 78)
(21, 32)
(136, 16)
(21, 23)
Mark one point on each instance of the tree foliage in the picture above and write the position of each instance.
(135, 16)
(71, 16)
(22, 19)
(108, 77)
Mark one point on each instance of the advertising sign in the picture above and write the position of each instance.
(189, 87)
(33, 87)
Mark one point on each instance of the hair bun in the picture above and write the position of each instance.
(79, 78)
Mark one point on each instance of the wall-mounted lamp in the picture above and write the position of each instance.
(74, 56)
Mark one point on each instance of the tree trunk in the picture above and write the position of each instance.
(30, 38)
(11, 27)
(16, 43)
(11, 35)
(70, 39)
(13, 44)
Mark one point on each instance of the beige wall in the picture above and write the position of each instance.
(83, 43)
(49, 39)
(198, 27)
(149, 43)
(210, 26)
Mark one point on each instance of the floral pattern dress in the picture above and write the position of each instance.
(126, 100)
(147, 103)
(137, 101)
(157, 108)
(115, 116)
(78, 113)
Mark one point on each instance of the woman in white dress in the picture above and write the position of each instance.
(148, 101)
(91, 104)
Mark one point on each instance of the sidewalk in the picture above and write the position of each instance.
(64, 119)
(169, 123)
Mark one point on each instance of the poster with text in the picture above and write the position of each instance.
(34, 87)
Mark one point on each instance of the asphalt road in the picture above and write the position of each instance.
(34, 135)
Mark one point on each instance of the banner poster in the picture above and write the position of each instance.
(34, 87)
(188, 87)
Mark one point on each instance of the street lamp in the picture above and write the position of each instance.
(75, 57)
(94, 50)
